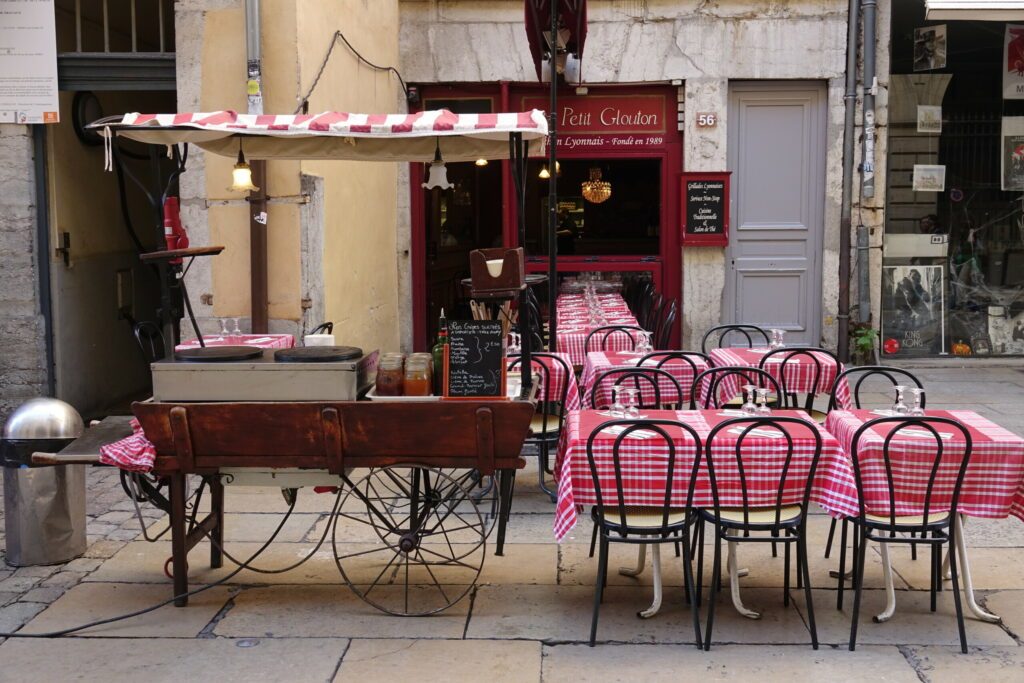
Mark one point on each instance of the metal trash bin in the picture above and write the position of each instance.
(44, 506)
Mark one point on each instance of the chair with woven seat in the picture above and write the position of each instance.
(603, 334)
(713, 378)
(791, 356)
(546, 425)
(904, 517)
(778, 522)
(643, 525)
(749, 332)
(640, 379)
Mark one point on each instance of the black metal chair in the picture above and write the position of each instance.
(778, 523)
(663, 335)
(665, 523)
(323, 328)
(546, 425)
(930, 527)
(866, 372)
(150, 339)
(647, 302)
(801, 354)
(716, 375)
(749, 332)
(658, 359)
(605, 332)
(640, 377)
(653, 314)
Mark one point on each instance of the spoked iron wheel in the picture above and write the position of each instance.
(426, 537)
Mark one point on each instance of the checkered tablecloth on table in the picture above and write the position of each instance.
(574, 324)
(645, 463)
(263, 341)
(993, 486)
(558, 377)
(800, 373)
(599, 361)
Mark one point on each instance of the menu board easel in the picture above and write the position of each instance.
(705, 208)
(474, 364)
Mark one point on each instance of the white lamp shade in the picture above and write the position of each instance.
(241, 179)
(437, 176)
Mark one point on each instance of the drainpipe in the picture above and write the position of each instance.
(850, 103)
(43, 254)
(257, 199)
(867, 161)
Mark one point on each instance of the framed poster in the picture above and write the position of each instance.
(929, 118)
(913, 309)
(1011, 154)
(1013, 62)
(28, 62)
(704, 199)
(929, 178)
(930, 48)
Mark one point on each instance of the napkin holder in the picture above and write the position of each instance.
(507, 284)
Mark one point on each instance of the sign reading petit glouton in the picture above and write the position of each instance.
(476, 363)
(607, 121)
(705, 208)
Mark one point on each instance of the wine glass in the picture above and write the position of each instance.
(900, 408)
(234, 326)
(762, 401)
(917, 410)
(224, 327)
(748, 407)
(617, 409)
(632, 407)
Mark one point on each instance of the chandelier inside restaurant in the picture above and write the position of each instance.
(596, 190)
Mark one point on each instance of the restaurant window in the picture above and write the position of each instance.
(953, 267)
(626, 223)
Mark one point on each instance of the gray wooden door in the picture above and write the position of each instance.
(776, 154)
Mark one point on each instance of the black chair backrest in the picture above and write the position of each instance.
(150, 339)
(658, 359)
(866, 371)
(789, 356)
(647, 301)
(653, 314)
(749, 332)
(766, 470)
(640, 377)
(663, 335)
(536, 326)
(716, 375)
(323, 328)
(553, 404)
(661, 429)
(940, 470)
(605, 332)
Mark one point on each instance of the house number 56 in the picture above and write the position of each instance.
(707, 120)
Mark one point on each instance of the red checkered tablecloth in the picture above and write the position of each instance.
(993, 486)
(558, 377)
(599, 361)
(574, 324)
(800, 373)
(645, 463)
(263, 341)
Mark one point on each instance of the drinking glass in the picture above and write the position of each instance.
(617, 409)
(632, 406)
(917, 410)
(762, 401)
(900, 408)
(749, 408)
(224, 327)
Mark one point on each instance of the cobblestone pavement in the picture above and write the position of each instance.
(526, 620)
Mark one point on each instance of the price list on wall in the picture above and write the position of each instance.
(705, 208)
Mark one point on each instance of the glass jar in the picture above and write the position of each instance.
(390, 374)
(417, 377)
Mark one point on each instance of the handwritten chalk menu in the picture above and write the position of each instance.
(705, 208)
(476, 362)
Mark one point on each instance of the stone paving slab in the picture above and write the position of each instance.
(258, 527)
(1009, 605)
(991, 568)
(173, 660)
(947, 665)
(452, 660)
(674, 663)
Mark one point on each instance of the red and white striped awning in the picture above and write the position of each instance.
(340, 135)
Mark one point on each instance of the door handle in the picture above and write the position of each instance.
(64, 248)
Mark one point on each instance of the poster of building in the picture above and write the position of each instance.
(1006, 330)
(913, 310)
(1013, 62)
(929, 178)
(1011, 154)
(929, 119)
(28, 62)
(930, 48)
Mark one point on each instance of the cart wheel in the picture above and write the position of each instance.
(410, 540)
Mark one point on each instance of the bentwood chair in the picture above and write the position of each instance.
(323, 328)
(616, 522)
(639, 378)
(547, 424)
(933, 525)
(749, 332)
(150, 339)
(862, 373)
(658, 359)
(779, 522)
(605, 332)
(802, 355)
(663, 334)
(713, 378)
(650, 321)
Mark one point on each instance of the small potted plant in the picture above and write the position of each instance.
(865, 340)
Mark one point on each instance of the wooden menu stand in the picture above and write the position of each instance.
(508, 284)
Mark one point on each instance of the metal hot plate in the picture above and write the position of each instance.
(218, 354)
(317, 354)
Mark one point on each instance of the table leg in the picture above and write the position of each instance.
(965, 574)
(640, 562)
(656, 566)
(179, 547)
(734, 584)
(506, 479)
(217, 535)
(890, 590)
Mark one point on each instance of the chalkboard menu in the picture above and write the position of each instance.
(476, 359)
(705, 208)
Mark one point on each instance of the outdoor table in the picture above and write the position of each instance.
(598, 362)
(574, 324)
(799, 373)
(644, 468)
(263, 341)
(993, 486)
(558, 376)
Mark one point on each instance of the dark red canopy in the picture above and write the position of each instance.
(572, 15)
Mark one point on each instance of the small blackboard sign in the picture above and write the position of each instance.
(476, 359)
(705, 208)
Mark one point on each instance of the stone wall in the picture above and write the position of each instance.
(22, 337)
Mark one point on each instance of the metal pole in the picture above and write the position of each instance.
(846, 205)
(517, 159)
(258, 266)
(867, 161)
(553, 184)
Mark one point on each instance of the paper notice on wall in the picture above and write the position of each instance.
(1013, 62)
(1011, 154)
(28, 62)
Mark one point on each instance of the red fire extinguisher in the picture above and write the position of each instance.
(174, 233)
